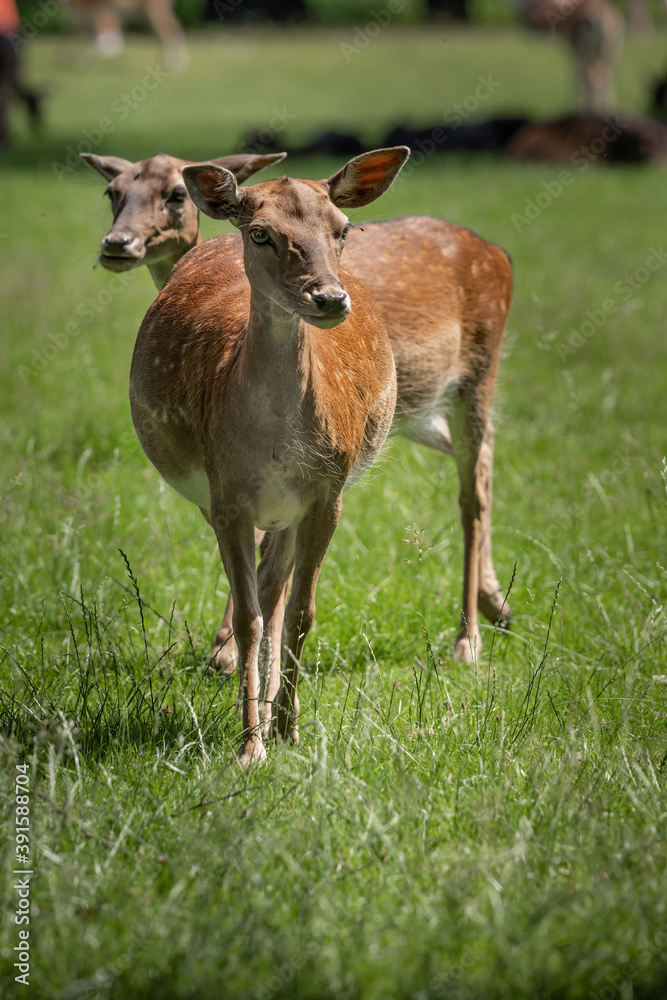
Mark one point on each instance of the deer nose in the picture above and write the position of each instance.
(113, 242)
(331, 302)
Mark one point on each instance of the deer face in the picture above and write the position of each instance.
(154, 217)
(293, 236)
(294, 230)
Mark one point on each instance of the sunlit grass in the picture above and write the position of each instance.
(441, 831)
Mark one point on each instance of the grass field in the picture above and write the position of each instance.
(442, 831)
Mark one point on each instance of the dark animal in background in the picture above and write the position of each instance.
(11, 85)
(616, 139)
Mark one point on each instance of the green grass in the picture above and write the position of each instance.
(442, 831)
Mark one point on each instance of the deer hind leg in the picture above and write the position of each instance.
(225, 652)
(467, 421)
(237, 550)
(168, 29)
(312, 541)
(108, 30)
(491, 596)
(434, 432)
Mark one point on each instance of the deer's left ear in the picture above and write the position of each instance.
(244, 165)
(214, 190)
(366, 177)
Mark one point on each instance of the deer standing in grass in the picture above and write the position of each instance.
(105, 17)
(594, 31)
(444, 294)
(260, 389)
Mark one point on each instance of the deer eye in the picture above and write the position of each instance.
(259, 235)
(343, 235)
(179, 194)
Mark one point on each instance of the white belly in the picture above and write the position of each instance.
(194, 487)
(276, 506)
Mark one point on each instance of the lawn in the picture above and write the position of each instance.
(442, 831)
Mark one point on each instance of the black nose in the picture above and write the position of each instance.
(116, 241)
(326, 299)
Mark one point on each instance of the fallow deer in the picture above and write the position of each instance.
(594, 30)
(155, 221)
(444, 295)
(260, 389)
(105, 19)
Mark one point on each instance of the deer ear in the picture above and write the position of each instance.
(213, 190)
(108, 166)
(366, 177)
(244, 165)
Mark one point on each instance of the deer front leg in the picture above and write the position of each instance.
(237, 550)
(225, 653)
(312, 541)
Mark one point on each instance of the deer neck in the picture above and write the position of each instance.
(161, 269)
(277, 351)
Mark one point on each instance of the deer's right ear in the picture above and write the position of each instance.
(108, 166)
(214, 190)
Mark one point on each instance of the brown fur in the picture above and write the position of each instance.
(259, 391)
(594, 31)
(444, 295)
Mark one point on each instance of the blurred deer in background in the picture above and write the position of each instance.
(105, 19)
(640, 20)
(594, 31)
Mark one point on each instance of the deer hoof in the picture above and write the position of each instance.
(225, 654)
(252, 754)
(494, 607)
(467, 648)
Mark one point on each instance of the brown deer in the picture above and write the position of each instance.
(260, 389)
(446, 348)
(105, 19)
(155, 221)
(640, 20)
(594, 30)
